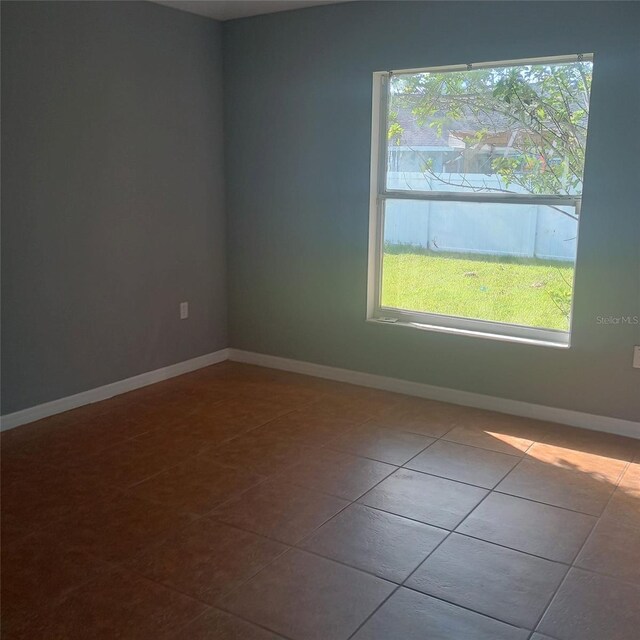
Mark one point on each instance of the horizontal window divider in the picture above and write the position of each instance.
(461, 196)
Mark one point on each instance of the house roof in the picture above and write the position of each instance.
(454, 133)
(416, 135)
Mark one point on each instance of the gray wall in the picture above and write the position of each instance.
(297, 108)
(112, 181)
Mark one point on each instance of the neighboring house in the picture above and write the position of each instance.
(422, 148)
(456, 158)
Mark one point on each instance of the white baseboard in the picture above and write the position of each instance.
(515, 407)
(12, 420)
(590, 421)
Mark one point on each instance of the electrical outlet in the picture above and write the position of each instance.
(184, 310)
(636, 357)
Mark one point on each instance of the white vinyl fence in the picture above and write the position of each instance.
(532, 231)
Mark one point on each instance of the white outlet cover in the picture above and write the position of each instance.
(184, 310)
(636, 357)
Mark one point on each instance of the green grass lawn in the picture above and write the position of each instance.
(530, 292)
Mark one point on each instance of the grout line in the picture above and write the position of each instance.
(295, 483)
(494, 490)
(193, 620)
(504, 546)
(209, 606)
(546, 504)
(364, 622)
(582, 546)
(461, 606)
(403, 585)
(298, 548)
(350, 503)
(470, 484)
(458, 525)
(473, 446)
(278, 634)
(298, 544)
(448, 536)
(195, 517)
(359, 455)
(581, 472)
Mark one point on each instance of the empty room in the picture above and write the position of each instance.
(320, 320)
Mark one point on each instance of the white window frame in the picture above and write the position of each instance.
(379, 193)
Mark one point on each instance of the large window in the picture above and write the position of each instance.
(477, 175)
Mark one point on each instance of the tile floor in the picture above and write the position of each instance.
(249, 504)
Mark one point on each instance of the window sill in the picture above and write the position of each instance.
(561, 343)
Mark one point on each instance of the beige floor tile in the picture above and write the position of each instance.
(508, 585)
(514, 445)
(558, 487)
(279, 510)
(247, 413)
(305, 597)
(140, 458)
(378, 443)
(380, 543)
(589, 606)
(220, 625)
(480, 467)
(118, 529)
(117, 605)
(306, 428)
(409, 615)
(436, 501)
(426, 417)
(259, 453)
(630, 480)
(343, 405)
(593, 442)
(39, 571)
(136, 481)
(540, 529)
(624, 508)
(197, 486)
(613, 548)
(609, 469)
(504, 423)
(337, 473)
(207, 559)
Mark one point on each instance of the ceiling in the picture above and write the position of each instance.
(230, 9)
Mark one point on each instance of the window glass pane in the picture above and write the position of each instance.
(499, 262)
(518, 129)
